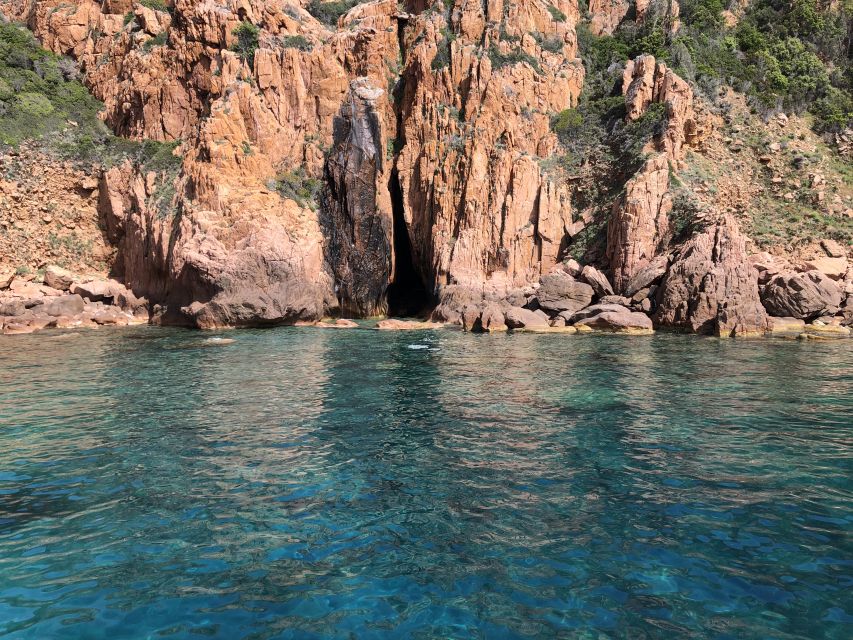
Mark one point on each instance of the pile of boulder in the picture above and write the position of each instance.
(813, 296)
(64, 300)
(708, 286)
(569, 299)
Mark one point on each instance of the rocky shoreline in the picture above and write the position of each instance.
(403, 160)
(710, 286)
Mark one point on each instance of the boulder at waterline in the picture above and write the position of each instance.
(801, 295)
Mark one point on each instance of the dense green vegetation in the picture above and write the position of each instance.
(40, 94)
(787, 55)
(330, 12)
(784, 55)
(296, 42)
(41, 99)
(247, 41)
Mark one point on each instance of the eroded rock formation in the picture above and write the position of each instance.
(639, 223)
(472, 93)
(411, 147)
(711, 286)
(356, 205)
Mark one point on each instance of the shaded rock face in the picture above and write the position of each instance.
(639, 222)
(480, 211)
(711, 287)
(356, 207)
(805, 296)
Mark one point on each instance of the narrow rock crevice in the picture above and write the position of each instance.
(407, 295)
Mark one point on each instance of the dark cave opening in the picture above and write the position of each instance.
(407, 295)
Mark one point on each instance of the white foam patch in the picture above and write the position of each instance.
(418, 346)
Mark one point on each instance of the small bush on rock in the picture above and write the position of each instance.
(247, 41)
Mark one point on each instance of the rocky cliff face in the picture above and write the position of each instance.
(473, 90)
(388, 160)
(356, 206)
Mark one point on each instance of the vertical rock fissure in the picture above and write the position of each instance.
(407, 295)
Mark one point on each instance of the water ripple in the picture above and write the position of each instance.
(309, 484)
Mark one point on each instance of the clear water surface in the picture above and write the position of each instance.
(301, 483)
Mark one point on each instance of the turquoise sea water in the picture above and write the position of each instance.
(301, 483)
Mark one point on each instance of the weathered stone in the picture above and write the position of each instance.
(471, 318)
(68, 305)
(620, 300)
(12, 307)
(454, 299)
(645, 81)
(648, 275)
(98, 290)
(109, 316)
(614, 318)
(641, 295)
(58, 278)
(492, 318)
(835, 268)
(597, 280)
(639, 223)
(605, 15)
(801, 295)
(560, 292)
(27, 323)
(128, 302)
(833, 249)
(711, 287)
(520, 318)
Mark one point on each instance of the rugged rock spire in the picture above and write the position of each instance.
(356, 206)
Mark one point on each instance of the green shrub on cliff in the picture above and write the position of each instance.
(792, 55)
(247, 41)
(298, 186)
(330, 12)
(39, 93)
(157, 5)
(42, 100)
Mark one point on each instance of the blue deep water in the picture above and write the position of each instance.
(305, 483)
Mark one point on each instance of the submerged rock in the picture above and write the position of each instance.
(394, 324)
(781, 327)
